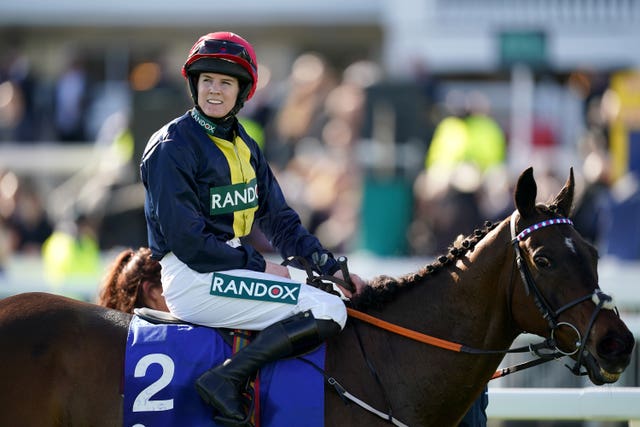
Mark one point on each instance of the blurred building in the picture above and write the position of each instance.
(539, 62)
(448, 35)
(522, 51)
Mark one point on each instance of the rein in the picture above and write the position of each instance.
(460, 348)
(324, 282)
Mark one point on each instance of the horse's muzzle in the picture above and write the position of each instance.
(613, 356)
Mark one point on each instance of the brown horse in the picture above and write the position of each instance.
(63, 359)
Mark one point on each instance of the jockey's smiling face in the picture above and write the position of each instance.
(217, 94)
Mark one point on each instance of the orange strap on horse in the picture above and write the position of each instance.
(448, 345)
(399, 330)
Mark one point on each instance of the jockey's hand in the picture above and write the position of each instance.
(277, 269)
(355, 279)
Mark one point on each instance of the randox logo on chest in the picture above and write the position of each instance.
(235, 197)
(255, 289)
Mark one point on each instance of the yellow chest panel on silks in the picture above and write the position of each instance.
(241, 196)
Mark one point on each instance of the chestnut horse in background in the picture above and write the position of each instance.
(62, 360)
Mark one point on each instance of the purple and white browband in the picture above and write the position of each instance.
(524, 233)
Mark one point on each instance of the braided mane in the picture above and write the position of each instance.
(384, 289)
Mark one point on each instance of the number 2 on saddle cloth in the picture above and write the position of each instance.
(163, 361)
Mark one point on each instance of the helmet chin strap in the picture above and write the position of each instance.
(245, 86)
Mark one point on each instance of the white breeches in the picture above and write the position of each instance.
(188, 296)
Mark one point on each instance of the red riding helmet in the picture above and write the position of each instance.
(225, 53)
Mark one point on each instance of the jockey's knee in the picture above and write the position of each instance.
(331, 309)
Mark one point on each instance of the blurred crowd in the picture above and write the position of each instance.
(32, 110)
(333, 149)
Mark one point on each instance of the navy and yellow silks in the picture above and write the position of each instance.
(201, 194)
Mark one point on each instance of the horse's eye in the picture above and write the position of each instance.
(542, 261)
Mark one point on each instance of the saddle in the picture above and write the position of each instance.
(157, 317)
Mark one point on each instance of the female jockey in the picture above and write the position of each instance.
(206, 184)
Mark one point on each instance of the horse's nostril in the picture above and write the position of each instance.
(614, 347)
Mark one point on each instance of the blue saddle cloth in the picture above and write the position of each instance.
(162, 363)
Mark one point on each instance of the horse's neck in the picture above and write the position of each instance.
(488, 273)
(468, 300)
(467, 303)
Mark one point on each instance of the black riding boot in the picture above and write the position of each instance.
(221, 387)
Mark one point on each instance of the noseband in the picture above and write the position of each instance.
(599, 298)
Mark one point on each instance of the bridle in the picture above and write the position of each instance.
(599, 298)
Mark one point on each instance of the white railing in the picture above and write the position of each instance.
(591, 403)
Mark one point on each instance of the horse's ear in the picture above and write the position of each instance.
(525, 194)
(564, 199)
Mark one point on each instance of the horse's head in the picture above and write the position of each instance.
(559, 295)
